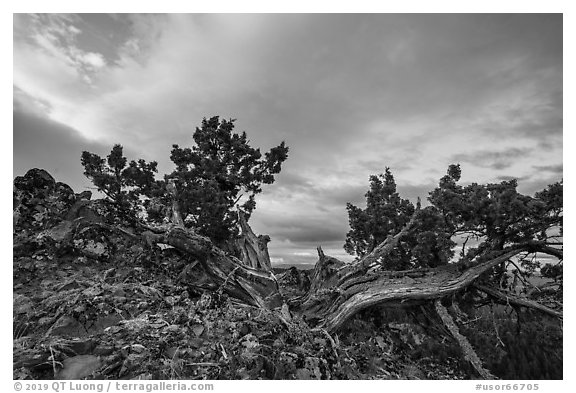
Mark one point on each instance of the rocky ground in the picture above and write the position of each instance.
(100, 304)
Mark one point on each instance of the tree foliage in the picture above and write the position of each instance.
(554, 272)
(121, 181)
(386, 213)
(496, 215)
(220, 172)
(491, 216)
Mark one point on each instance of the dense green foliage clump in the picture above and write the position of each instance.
(217, 173)
(490, 216)
(427, 243)
(122, 182)
(220, 172)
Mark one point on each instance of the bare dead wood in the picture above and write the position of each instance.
(176, 217)
(254, 249)
(332, 275)
(387, 246)
(493, 314)
(221, 271)
(331, 307)
(326, 272)
(468, 351)
(380, 252)
(545, 248)
(210, 268)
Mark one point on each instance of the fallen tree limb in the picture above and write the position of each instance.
(505, 298)
(332, 307)
(467, 349)
(379, 252)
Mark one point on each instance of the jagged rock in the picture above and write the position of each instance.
(68, 285)
(37, 182)
(198, 329)
(130, 364)
(67, 326)
(22, 305)
(81, 346)
(79, 367)
(39, 201)
(104, 322)
(103, 350)
(93, 243)
(312, 368)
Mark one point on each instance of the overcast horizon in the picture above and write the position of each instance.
(350, 94)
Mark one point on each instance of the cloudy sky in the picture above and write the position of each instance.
(349, 93)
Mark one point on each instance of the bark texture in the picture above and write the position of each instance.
(332, 305)
(254, 248)
(213, 270)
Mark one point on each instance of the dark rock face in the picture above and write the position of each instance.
(36, 182)
(48, 216)
(61, 257)
(39, 201)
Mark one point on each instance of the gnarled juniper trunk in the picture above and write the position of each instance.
(223, 272)
(332, 304)
(339, 290)
(254, 249)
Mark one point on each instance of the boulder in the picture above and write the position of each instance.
(39, 201)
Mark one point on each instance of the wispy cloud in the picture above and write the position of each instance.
(493, 159)
(557, 169)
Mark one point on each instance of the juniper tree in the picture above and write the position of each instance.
(121, 181)
(386, 213)
(219, 172)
